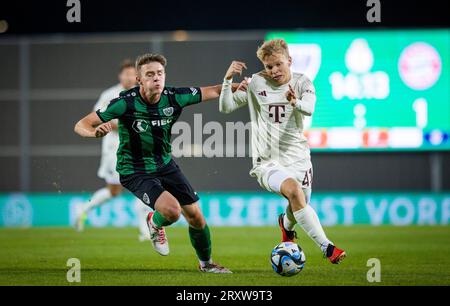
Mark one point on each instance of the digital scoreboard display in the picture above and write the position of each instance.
(376, 90)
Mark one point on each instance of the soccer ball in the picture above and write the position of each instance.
(287, 259)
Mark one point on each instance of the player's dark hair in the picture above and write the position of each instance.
(149, 58)
(126, 63)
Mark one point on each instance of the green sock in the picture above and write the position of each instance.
(201, 241)
(159, 221)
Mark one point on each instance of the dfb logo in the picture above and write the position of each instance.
(74, 273)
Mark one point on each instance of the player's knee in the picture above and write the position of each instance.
(172, 213)
(294, 195)
(291, 190)
(168, 206)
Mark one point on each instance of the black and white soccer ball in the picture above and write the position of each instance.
(287, 259)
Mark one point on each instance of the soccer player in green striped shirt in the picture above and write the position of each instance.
(146, 115)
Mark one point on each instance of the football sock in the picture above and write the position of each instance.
(308, 220)
(141, 213)
(99, 197)
(159, 221)
(289, 219)
(201, 241)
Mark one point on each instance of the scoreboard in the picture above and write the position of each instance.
(376, 90)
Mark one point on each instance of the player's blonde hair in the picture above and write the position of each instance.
(272, 46)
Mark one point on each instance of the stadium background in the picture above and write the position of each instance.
(55, 80)
(53, 72)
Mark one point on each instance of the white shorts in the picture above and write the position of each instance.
(107, 169)
(271, 175)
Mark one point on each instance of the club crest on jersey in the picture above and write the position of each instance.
(168, 111)
(140, 125)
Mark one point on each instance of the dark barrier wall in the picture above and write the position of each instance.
(67, 74)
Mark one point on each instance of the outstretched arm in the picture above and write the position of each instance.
(213, 92)
(92, 126)
(228, 101)
(210, 92)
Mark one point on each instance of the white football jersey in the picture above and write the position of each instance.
(110, 142)
(277, 127)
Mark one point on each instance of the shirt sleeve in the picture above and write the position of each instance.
(306, 102)
(228, 101)
(188, 96)
(115, 109)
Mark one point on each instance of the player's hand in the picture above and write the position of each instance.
(103, 129)
(235, 68)
(291, 96)
(234, 86)
(244, 84)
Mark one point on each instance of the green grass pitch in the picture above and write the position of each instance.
(114, 256)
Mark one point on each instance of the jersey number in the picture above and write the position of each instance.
(307, 181)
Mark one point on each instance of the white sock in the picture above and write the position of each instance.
(142, 213)
(308, 220)
(99, 197)
(289, 219)
(204, 263)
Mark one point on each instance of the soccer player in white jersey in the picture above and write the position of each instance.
(278, 101)
(110, 143)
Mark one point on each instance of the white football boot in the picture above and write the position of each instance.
(158, 237)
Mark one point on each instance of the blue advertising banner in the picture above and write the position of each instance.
(233, 209)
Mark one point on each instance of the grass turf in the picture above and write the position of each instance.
(112, 256)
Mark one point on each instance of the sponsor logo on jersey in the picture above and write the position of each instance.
(262, 93)
(161, 122)
(277, 113)
(168, 111)
(140, 125)
(193, 90)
